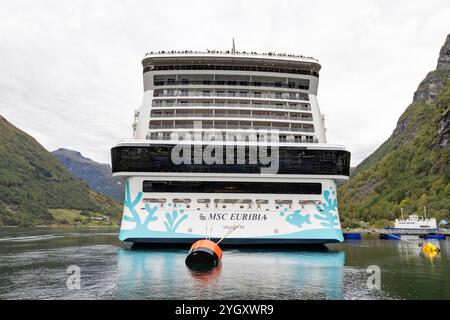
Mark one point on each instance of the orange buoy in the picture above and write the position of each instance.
(204, 254)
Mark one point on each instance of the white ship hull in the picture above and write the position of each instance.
(315, 221)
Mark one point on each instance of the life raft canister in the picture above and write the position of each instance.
(204, 254)
(430, 249)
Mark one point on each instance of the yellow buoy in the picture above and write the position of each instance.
(430, 249)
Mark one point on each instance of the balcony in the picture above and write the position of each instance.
(187, 65)
(221, 115)
(212, 93)
(230, 127)
(232, 106)
(229, 83)
(184, 135)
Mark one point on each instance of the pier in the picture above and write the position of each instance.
(377, 231)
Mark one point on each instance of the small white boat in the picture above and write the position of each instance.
(414, 222)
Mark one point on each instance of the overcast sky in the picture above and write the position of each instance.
(71, 76)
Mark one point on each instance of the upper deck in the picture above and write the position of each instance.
(222, 58)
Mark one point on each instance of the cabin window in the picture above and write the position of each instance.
(232, 187)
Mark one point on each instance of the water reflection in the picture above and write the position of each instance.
(31, 269)
(206, 277)
(405, 271)
(244, 273)
(143, 273)
(409, 249)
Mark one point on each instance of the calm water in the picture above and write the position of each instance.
(34, 262)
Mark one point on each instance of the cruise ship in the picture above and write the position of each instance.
(230, 145)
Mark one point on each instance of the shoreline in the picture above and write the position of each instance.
(62, 226)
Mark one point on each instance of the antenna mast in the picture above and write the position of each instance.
(233, 49)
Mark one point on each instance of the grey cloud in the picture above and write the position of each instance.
(71, 73)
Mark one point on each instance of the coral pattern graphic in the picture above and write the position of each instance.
(171, 222)
(146, 222)
(328, 211)
(131, 205)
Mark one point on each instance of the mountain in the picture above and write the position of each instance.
(96, 175)
(35, 188)
(411, 168)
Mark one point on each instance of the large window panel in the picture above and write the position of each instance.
(292, 160)
(231, 187)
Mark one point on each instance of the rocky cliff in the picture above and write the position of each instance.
(410, 169)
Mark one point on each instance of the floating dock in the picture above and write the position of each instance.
(433, 236)
(352, 236)
(395, 234)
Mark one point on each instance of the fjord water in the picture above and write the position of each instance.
(34, 265)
